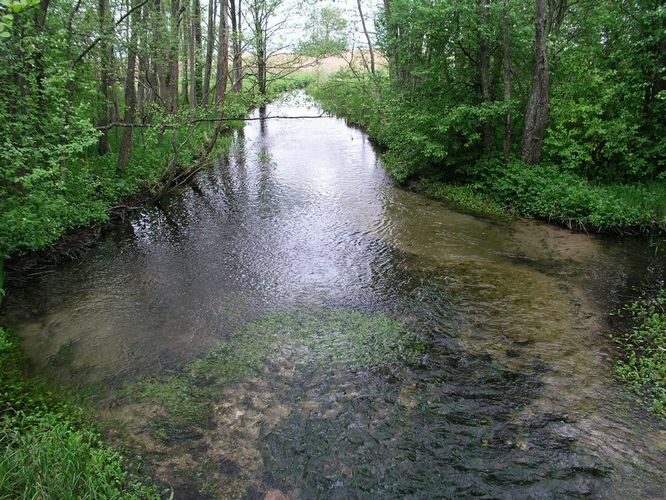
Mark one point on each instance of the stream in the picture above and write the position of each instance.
(293, 323)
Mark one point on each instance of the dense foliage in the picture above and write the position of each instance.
(460, 82)
(47, 449)
(643, 364)
(102, 99)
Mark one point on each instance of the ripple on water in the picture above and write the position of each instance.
(512, 396)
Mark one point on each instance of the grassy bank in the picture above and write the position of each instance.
(50, 203)
(48, 449)
(420, 145)
(643, 350)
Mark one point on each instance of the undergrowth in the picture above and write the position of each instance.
(439, 147)
(48, 449)
(50, 201)
(643, 347)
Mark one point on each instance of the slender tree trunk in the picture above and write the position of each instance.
(506, 27)
(173, 55)
(40, 24)
(367, 37)
(236, 47)
(192, 58)
(260, 47)
(105, 55)
(130, 94)
(210, 45)
(196, 75)
(222, 56)
(393, 59)
(186, 64)
(222, 72)
(484, 74)
(536, 116)
(142, 61)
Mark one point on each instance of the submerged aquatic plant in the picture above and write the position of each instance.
(328, 340)
(644, 345)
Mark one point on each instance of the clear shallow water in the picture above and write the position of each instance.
(513, 396)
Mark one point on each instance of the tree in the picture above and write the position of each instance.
(367, 37)
(327, 32)
(536, 115)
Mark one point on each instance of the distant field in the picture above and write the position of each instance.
(325, 66)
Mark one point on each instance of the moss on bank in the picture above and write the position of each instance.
(643, 350)
(48, 449)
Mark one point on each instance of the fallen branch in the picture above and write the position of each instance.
(204, 120)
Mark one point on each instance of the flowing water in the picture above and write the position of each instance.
(294, 321)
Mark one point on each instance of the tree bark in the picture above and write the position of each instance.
(367, 37)
(130, 95)
(222, 72)
(210, 45)
(484, 74)
(105, 55)
(236, 47)
(223, 56)
(196, 76)
(173, 55)
(506, 27)
(536, 116)
(40, 24)
(186, 64)
(192, 57)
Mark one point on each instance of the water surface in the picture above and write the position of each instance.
(508, 392)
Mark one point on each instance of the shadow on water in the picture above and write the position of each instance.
(294, 321)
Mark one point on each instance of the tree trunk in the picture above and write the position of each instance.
(222, 56)
(130, 95)
(484, 74)
(173, 55)
(536, 115)
(367, 37)
(507, 80)
(222, 72)
(105, 55)
(236, 47)
(40, 24)
(260, 47)
(192, 57)
(210, 45)
(195, 75)
(186, 64)
(393, 59)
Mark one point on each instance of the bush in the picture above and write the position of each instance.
(436, 143)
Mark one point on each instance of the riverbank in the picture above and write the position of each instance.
(489, 186)
(49, 448)
(50, 220)
(543, 192)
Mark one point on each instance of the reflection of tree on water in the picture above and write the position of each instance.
(262, 121)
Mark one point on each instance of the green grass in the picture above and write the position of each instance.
(468, 198)
(47, 447)
(643, 348)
